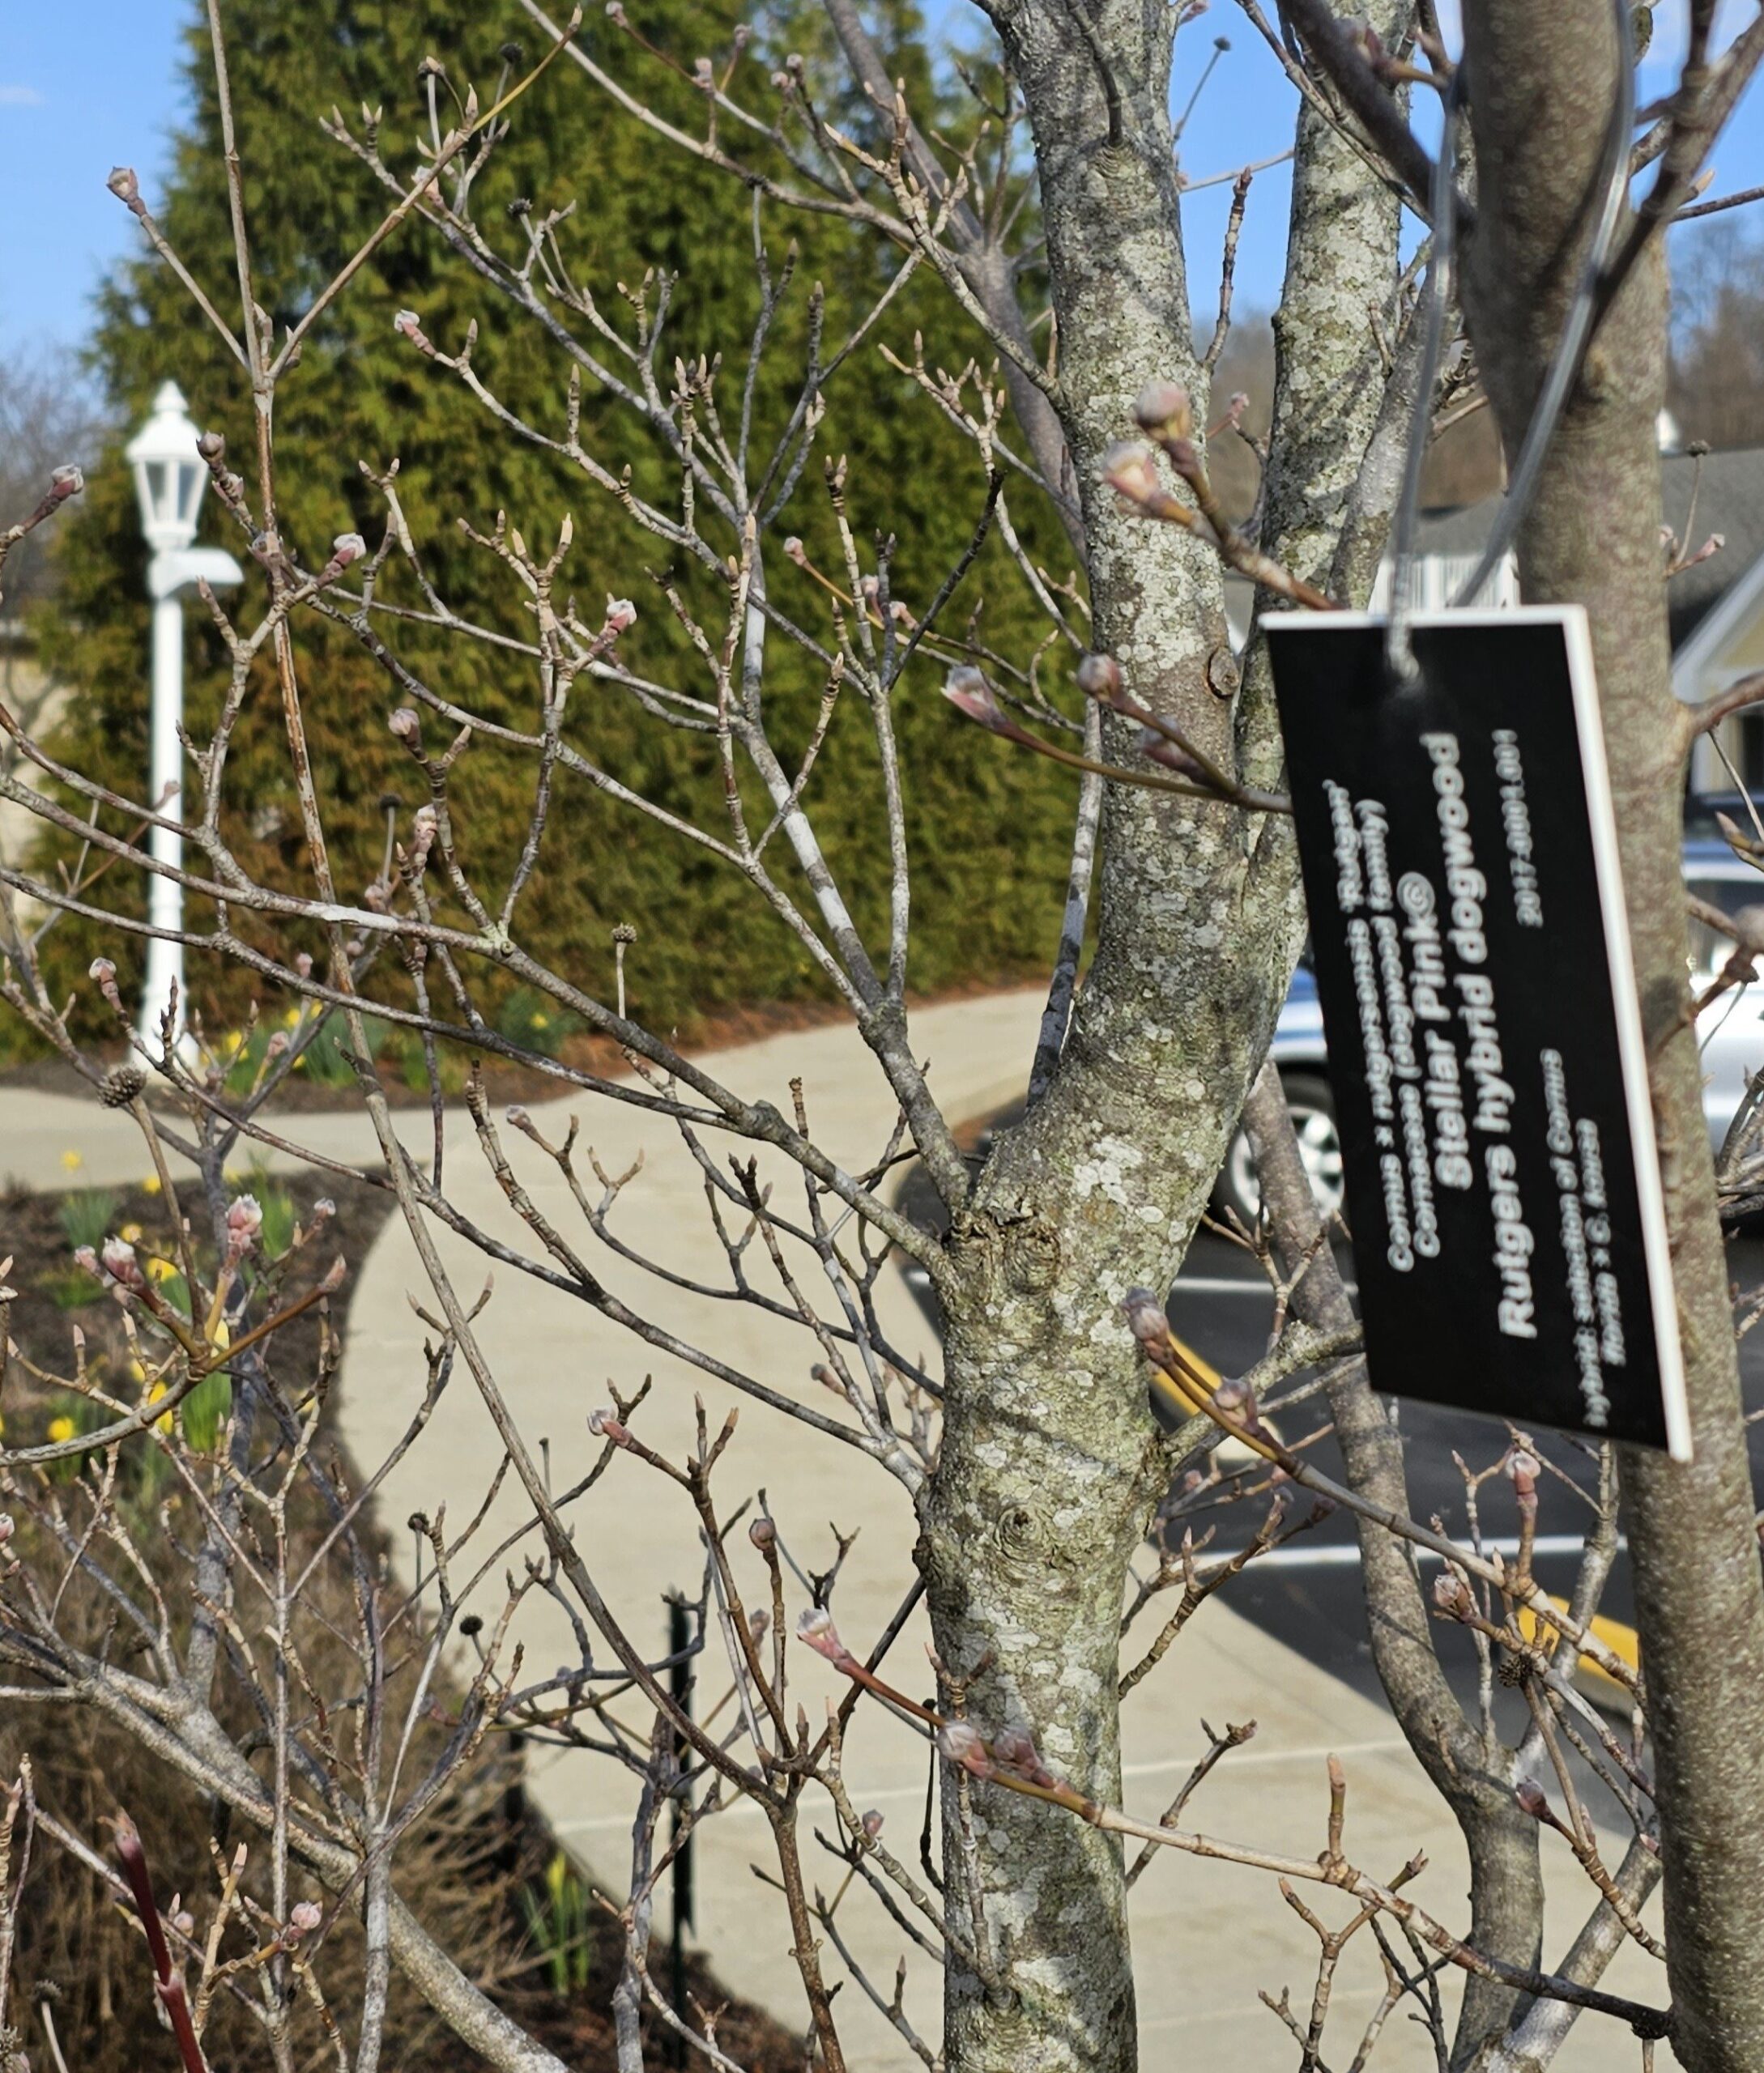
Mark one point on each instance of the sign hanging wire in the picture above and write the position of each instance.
(1565, 365)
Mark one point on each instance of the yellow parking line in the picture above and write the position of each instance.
(1622, 1641)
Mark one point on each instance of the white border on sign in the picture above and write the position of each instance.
(1632, 1052)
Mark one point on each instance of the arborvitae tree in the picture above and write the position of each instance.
(362, 394)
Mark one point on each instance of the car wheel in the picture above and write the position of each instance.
(1313, 1111)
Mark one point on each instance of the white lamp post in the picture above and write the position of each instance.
(169, 479)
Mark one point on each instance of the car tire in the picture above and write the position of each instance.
(1313, 1110)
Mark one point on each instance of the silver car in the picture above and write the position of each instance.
(1730, 1031)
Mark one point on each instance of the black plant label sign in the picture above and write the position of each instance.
(1472, 960)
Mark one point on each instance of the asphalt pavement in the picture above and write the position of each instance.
(1307, 1594)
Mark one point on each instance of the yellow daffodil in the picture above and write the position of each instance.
(223, 1335)
(160, 1269)
(164, 1423)
(130, 1234)
(60, 1429)
(137, 1372)
(292, 1019)
(151, 1185)
(72, 1161)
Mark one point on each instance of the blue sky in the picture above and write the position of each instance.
(94, 84)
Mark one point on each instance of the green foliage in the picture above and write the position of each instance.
(987, 827)
(557, 1920)
(535, 1021)
(87, 1215)
(206, 1410)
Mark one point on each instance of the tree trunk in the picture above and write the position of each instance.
(1050, 1465)
(1541, 83)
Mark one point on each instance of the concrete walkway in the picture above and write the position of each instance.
(1208, 1936)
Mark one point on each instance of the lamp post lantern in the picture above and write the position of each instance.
(169, 479)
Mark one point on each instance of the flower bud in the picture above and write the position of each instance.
(408, 324)
(1159, 749)
(1166, 410)
(621, 613)
(120, 1264)
(967, 691)
(65, 483)
(1128, 467)
(1453, 1597)
(1145, 1316)
(245, 1220)
(871, 1823)
(404, 723)
(962, 1746)
(346, 548)
(1099, 676)
(763, 1535)
(303, 964)
(305, 1918)
(794, 547)
(817, 1628)
(211, 446)
(7, 1528)
(604, 1424)
(125, 186)
(1530, 1795)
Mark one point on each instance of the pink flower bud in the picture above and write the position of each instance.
(517, 1118)
(794, 547)
(763, 1535)
(605, 1424)
(125, 186)
(704, 77)
(1158, 748)
(211, 446)
(817, 1628)
(7, 1528)
(1145, 1315)
(322, 1210)
(303, 1920)
(66, 483)
(405, 724)
(86, 1258)
(1129, 468)
(346, 548)
(1452, 1596)
(621, 615)
(1165, 409)
(303, 965)
(245, 1220)
(120, 1263)
(408, 324)
(967, 691)
(277, 1045)
(1530, 1796)
(871, 1823)
(335, 1274)
(962, 1746)
(1099, 676)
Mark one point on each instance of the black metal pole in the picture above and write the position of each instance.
(680, 1691)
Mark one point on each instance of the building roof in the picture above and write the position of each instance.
(1730, 500)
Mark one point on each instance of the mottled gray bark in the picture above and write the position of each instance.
(1051, 1464)
(1540, 86)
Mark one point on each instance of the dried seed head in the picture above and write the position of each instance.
(121, 1087)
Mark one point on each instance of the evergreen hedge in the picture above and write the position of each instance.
(988, 827)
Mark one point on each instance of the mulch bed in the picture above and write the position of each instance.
(54, 1297)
